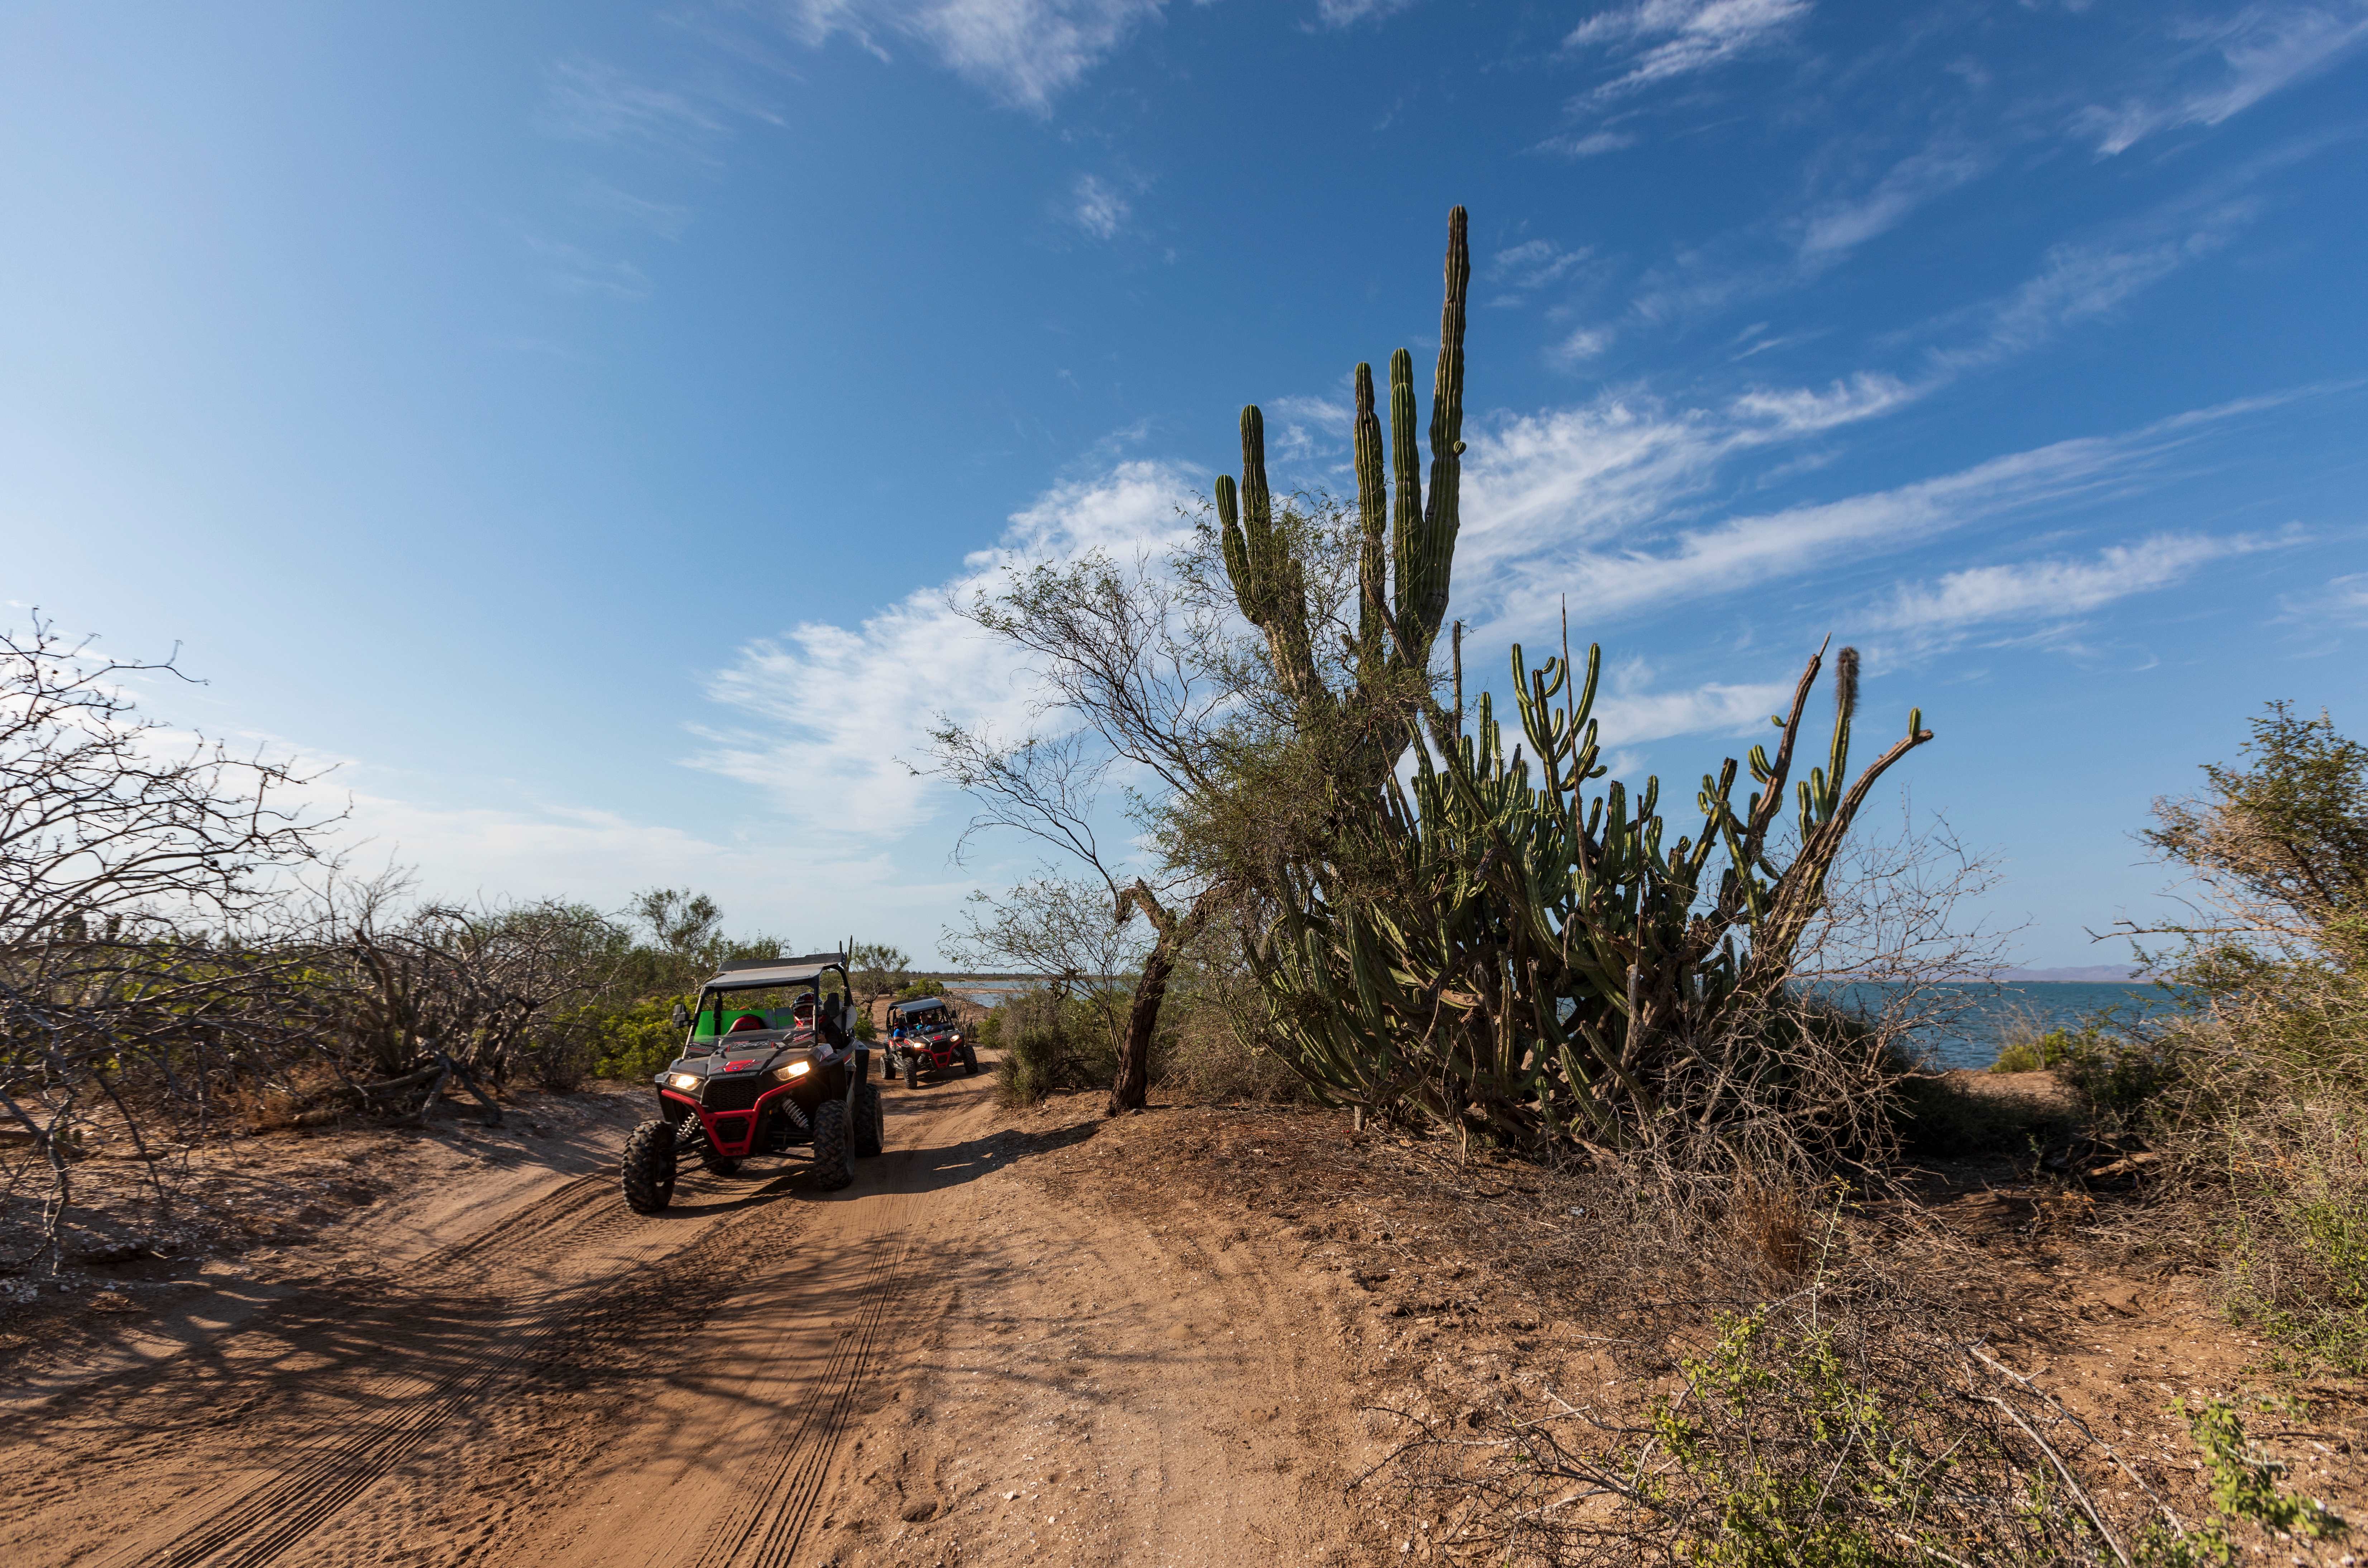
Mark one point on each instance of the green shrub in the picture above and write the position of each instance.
(2053, 1048)
(2244, 1490)
(632, 1040)
(1800, 1441)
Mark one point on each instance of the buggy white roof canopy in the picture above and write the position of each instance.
(756, 974)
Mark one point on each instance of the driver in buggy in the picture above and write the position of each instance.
(810, 1017)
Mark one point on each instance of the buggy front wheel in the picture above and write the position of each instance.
(834, 1154)
(970, 1061)
(648, 1167)
(870, 1121)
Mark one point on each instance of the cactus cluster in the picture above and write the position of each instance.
(1552, 969)
(1486, 942)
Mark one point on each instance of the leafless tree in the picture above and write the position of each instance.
(137, 865)
(434, 991)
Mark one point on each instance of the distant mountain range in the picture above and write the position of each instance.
(2082, 974)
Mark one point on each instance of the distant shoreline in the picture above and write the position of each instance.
(2085, 974)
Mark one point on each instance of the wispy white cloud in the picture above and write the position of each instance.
(2339, 601)
(665, 218)
(1530, 266)
(1330, 414)
(1661, 39)
(1348, 13)
(2057, 588)
(1631, 714)
(1842, 225)
(1546, 497)
(589, 100)
(1580, 345)
(835, 709)
(2078, 283)
(1027, 52)
(573, 270)
(2241, 60)
(1097, 207)
(1592, 144)
(1802, 411)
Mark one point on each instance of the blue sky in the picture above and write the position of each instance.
(570, 419)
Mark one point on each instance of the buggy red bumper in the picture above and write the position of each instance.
(729, 1132)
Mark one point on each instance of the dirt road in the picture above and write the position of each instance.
(943, 1364)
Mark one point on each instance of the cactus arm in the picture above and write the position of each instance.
(1237, 550)
(1374, 516)
(1405, 473)
(1268, 583)
(1441, 515)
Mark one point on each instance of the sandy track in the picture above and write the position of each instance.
(945, 1363)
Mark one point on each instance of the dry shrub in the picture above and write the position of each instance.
(1809, 1430)
(1051, 1044)
(1778, 1386)
(1775, 1224)
(1215, 1050)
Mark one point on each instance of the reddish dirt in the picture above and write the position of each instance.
(1186, 1337)
(945, 1363)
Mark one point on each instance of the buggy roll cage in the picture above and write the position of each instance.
(766, 974)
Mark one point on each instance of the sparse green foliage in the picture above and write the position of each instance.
(2053, 1048)
(1801, 1458)
(1049, 1043)
(632, 1040)
(2245, 1490)
(877, 969)
(2258, 1089)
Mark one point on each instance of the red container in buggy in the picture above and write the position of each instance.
(932, 1040)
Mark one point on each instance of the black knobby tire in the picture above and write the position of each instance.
(649, 1167)
(913, 1074)
(870, 1121)
(970, 1061)
(834, 1156)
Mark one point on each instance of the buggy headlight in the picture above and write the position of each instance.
(794, 1070)
(684, 1080)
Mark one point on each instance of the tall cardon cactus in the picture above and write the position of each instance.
(1408, 538)
(1484, 941)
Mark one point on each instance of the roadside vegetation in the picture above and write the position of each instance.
(1443, 918)
(1295, 856)
(182, 961)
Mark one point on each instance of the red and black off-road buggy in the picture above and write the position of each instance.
(756, 1079)
(926, 1037)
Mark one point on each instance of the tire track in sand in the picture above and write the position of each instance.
(260, 1523)
(788, 1476)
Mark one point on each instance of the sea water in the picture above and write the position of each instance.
(1988, 1016)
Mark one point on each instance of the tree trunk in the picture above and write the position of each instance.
(1134, 1082)
(1134, 1056)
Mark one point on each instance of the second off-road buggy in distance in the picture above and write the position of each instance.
(925, 1036)
(755, 1080)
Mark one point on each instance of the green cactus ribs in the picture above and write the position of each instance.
(1408, 541)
